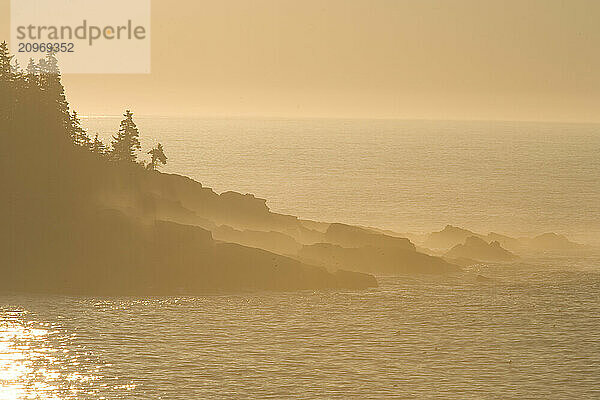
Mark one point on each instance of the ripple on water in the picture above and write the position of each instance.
(529, 333)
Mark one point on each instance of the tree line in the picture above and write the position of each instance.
(38, 87)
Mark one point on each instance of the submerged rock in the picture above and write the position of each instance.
(482, 278)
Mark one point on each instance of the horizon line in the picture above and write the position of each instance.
(338, 118)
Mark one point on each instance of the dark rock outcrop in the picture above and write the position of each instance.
(353, 236)
(507, 242)
(374, 260)
(476, 248)
(552, 242)
(275, 242)
(108, 253)
(447, 238)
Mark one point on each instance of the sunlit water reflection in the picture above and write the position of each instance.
(530, 333)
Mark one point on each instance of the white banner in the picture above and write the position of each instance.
(87, 36)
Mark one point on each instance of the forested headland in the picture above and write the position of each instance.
(82, 216)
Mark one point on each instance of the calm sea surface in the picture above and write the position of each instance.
(531, 332)
(508, 177)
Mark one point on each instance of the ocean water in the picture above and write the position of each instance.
(530, 333)
(517, 178)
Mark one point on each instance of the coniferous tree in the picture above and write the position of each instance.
(77, 133)
(53, 90)
(8, 98)
(5, 63)
(97, 146)
(30, 91)
(43, 71)
(32, 74)
(16, 70)
(126, 142)
(18, 81)
(39, 88)
(157, 155)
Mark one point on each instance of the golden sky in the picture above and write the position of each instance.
(433, 59)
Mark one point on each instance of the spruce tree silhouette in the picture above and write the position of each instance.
(77, 133)
(6, 78)
(54, 91)
(157, 155)
(97, 146)
(5, 62)
(126, 143)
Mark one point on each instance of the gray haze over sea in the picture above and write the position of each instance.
(529, 332)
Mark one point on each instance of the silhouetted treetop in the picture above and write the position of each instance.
(126, 143)
(157, 155)
(77, 133)
(97, 147)
(5, 63)
(36, 94)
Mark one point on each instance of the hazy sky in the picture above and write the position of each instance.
(456, 59)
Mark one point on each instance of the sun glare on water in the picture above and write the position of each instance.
(22, 353)
(29, 367)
